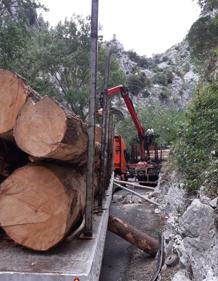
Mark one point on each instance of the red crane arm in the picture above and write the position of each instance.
(124, 92)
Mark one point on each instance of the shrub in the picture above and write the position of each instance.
(136, 83)
(164, 77)
(198, 138)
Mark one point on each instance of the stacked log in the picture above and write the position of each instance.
(39, 204)
(13, 95)
(45, 130)
(40, 201)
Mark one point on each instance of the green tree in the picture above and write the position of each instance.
(64, 61)
(137, 82)
(17, 21)
(203, 38)
(208, 4)
(165, 121)
(55, 61)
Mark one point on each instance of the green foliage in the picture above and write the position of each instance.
(55, 61)
(164, 95)
(165, 121)
(20, 11)
(146, 93)
(164, 77)
(17, 22)
(203, 38)
(197, 149)
(208, 5)
(137, 82)
(140, 60)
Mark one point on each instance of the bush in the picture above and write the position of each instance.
(140, 60)
(164, 77)
(146, 94)
(164, 95)
(136, 83)
(198, 139)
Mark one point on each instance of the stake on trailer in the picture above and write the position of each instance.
(105, 130)
(91, 122)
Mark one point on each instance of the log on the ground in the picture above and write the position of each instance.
(136, 237)
(39, 204)
(45, 130)
(13, 95)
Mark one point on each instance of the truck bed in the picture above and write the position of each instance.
(77, 258)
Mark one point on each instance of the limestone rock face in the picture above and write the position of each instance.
(190, 231)
(200, 240)
(171, 78)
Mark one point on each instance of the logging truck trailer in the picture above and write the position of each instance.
(73, 260)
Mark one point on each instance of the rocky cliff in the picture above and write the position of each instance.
(169, 78)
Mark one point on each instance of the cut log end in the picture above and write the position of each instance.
(37, 207)
(44, 130)
(40, 127)
(13, 94)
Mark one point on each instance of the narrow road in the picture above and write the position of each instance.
(123, 261)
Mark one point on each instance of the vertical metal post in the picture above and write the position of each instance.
(91, 122)
(103, 150)
(105, 125)
(110, 148)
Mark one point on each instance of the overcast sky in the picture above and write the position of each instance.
(145, 26)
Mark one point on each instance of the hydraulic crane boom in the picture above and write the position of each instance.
(125, 95)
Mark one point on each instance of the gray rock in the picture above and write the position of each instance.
(197, 220)
(198, 249)
(204, 199)
(180, 276)
(213, 203)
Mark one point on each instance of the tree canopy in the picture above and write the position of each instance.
(55, 61)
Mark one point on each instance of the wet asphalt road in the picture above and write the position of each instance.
(123, 261)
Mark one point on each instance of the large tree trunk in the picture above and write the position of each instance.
(45, 130)
(13, 95)
(39, 204)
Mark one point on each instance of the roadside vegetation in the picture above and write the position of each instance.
(196, 149)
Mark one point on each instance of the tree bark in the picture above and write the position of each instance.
(136, 237)
(45, 130)
(13, 95)
(39, 204)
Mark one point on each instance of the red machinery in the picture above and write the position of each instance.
(120, 165)
(143, 170)
(141, 133)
